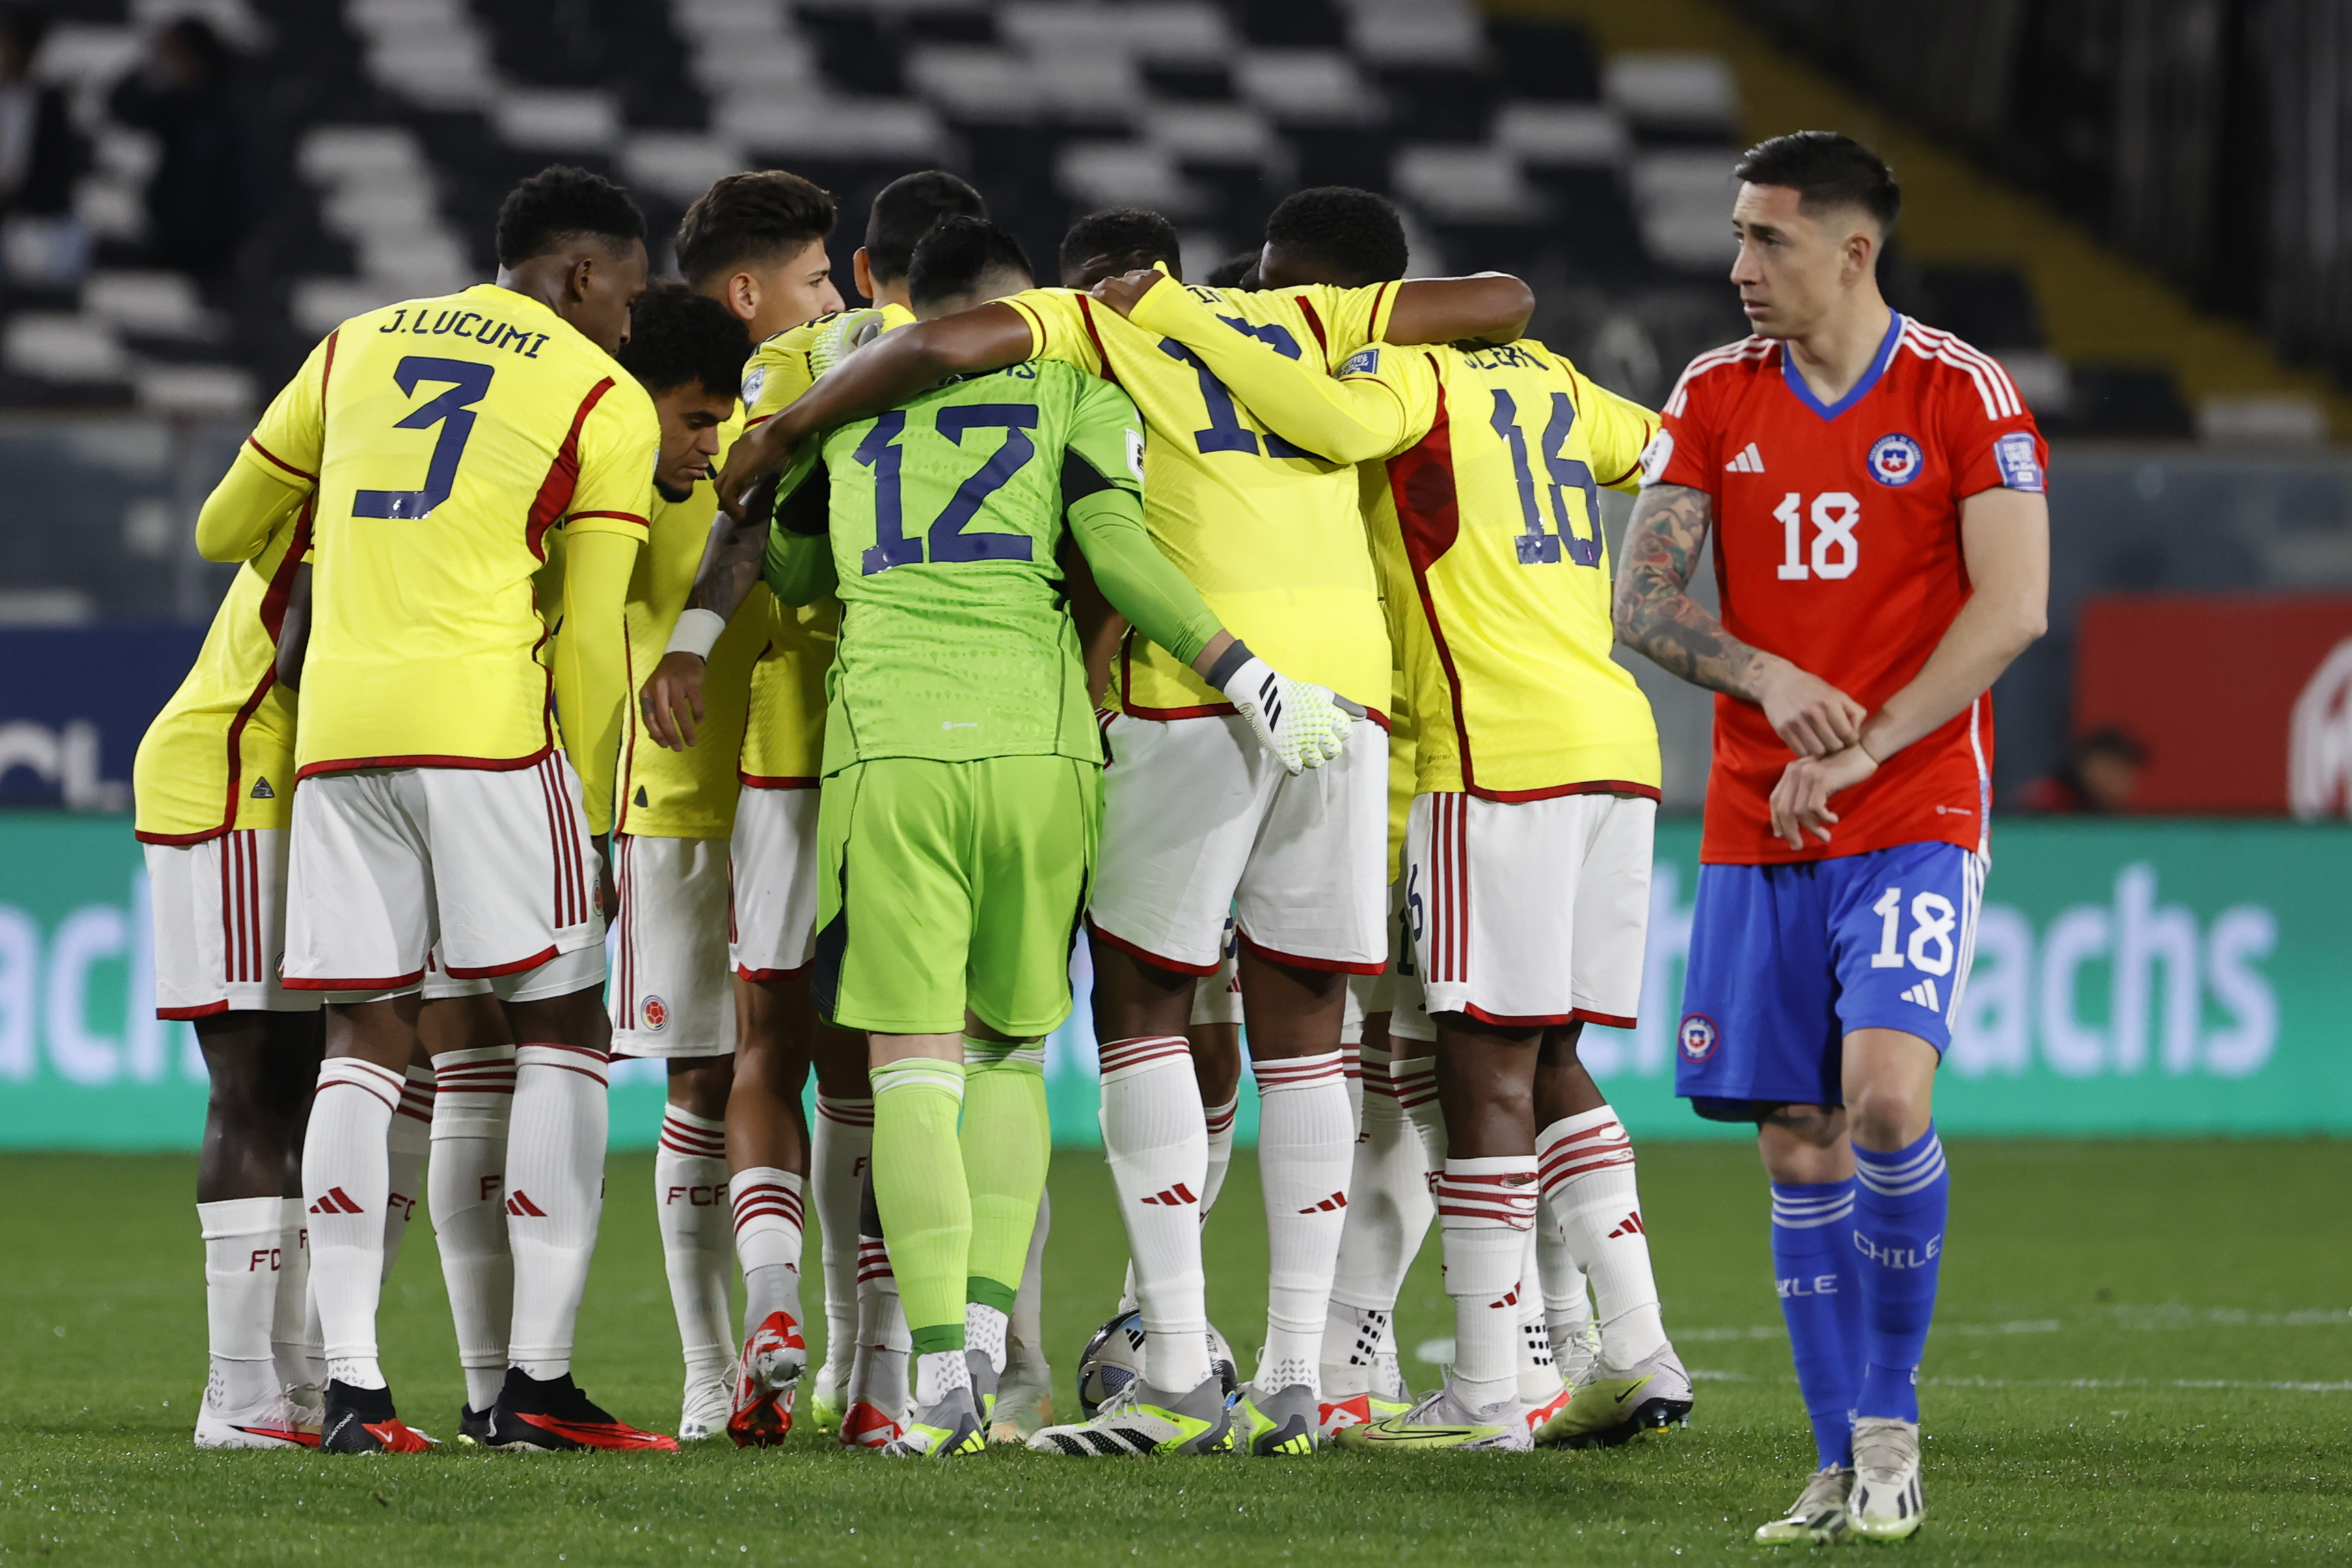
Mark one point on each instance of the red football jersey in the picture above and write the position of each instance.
(1837, 546)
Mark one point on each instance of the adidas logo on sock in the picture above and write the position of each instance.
(519, 1202)
(1924, 993)
(1331, 1204)
(1630, 1225)
(337, 1201)
(1172, 1197)
(1510, 1300)
(1749, 461)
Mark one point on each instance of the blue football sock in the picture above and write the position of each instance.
(1820, 1297)
(1898, 1243)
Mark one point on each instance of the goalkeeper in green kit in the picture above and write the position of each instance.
(960, 800)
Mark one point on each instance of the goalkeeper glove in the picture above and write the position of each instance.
(841, 337)
(1300, 725)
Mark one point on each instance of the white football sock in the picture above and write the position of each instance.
(984, 1330)
(1027, 1327)
(466, 1188)
(1588, 1180)
(1351, 1344)
(878, 1374)
(696, 1235)
(1389, 1214)
(1306, 1142)
(405, 1147)
(840, 1142)
(244, 1257)
(768, 1208)
(1568, 1308)
(344, 1182)
(1539, 1382)
(293, 1341)
(1352, 1067)
(555, 1197)
(1220, 1122)
(938, 1373)
(1155, 1138)
(1484, 1209)
(1415, 1081)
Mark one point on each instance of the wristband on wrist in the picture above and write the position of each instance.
(1229, 664)
(697, 632)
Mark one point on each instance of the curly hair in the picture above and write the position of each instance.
(1354, 234)
(677, 337)
(1127, 238)
(559, 204)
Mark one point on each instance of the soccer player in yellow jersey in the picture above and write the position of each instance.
(752, 249)
(1197, 822)
(438, 442)
(773, 1158)
(1527, 848)
(214, 784)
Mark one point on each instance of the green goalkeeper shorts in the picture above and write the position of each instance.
(946, 886)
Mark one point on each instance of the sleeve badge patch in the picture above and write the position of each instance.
(2019, 469)
(1657, 454)
(1363, 362)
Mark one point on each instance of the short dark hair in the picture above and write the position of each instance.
(904, 211)
(957, 255)
(677, 336)
(1130, 238)
(1235, 272)
(1826, 169)
(764, 215)
(561, 202)
(1354, 234)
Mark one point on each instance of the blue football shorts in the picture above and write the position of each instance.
(1785, 961)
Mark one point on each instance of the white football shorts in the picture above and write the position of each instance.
(1530, 913)
(1397, 991)
(219, 909)
(771, 929)
(1200, 822)
(669, 996)
(489, 873)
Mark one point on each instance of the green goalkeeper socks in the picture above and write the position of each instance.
(919, 1187)
(1007, 1141)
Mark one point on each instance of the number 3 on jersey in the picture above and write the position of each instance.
(454, 411)
(1835, 552)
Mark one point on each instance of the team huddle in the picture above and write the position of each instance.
(1255, 638)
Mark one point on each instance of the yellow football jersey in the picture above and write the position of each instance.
(221, 754)
(690, 793)
(444, 439)
(1490, 524)
(783, 742)
(1271, 534)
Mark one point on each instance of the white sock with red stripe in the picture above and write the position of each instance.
(878, 1372)
(690, 1204)
(243, 1260)
(1567, 1305)
(555, 1197)
(405, 1147)
(1351, 1069)
(1306, 1142)
(1388, 1212)
(466, 1189)
(1485, 1208)
(1220, 1119)
(1415, 1081)
(293, 1343)
(1587, 1183)
(1539, 1382)
(345, 1179)
(768, 1212)
(841, 1142)
(1155, 1138)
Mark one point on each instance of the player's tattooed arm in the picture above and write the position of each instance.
(1654, 613)
(671, 702)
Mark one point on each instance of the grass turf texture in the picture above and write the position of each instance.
(2143, 1354)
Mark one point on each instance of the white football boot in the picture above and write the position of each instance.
(1885, 1504)
(1818, 1516)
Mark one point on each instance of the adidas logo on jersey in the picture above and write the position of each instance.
(261, 789)
(1924, 993)
(1749, 461)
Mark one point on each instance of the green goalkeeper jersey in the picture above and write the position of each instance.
(946, 517)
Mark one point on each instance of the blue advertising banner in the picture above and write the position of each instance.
(75, 703)
(2131, 977)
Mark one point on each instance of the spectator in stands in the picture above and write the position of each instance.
(39, 154)
(198, 202)
(2101, 774)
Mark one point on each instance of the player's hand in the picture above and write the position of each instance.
(1812, 717)
(1303, 725)
(759, 452)
(1800, 801)
(671, 701)
(1120, 293)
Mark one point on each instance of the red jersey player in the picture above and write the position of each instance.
(1874, 488)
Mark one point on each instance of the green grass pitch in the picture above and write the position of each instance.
(2143, 1354)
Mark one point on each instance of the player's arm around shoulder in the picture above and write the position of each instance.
(274, 472)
